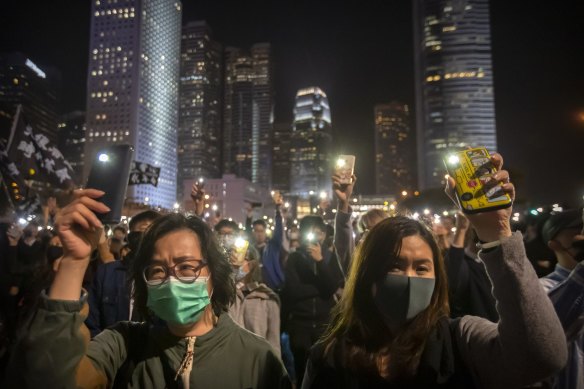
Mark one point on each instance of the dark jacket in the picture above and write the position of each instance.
(527, 345)
(56, 353)
(310, 286)
(469, 286)
(440, 367)
(109, 297)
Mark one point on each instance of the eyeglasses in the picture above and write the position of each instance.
(186, 272)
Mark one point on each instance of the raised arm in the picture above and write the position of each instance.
(528, 343)
(55, 349)
(344, 242)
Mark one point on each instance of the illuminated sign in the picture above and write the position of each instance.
(35, 68)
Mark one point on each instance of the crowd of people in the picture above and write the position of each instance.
(385, 301)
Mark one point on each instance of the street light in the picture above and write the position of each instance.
(404, 193)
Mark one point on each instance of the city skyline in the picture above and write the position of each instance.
(363, 58)
(454, 82)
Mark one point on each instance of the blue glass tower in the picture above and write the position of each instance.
(132, 88)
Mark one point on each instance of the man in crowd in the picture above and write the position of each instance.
(313, 275)
(109, 296)
(564, 234)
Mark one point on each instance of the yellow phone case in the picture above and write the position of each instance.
(468, 167)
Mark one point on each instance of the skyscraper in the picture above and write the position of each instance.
(201, 97)
(311, 143)
(35, 88)
(72, 141)
(248, 113)
(281, 157)
(454, 82)
(393, 152)
(132, 87)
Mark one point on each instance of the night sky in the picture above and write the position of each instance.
(361, 54)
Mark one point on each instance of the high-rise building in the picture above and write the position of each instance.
(311, 143)
(201, 96)
(35, 88)
(71, 142)
(281, 144)
(132, 88)
(454, 82)
(248, 113)
(393, 149)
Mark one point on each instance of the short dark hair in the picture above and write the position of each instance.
(148, 215)
(219, 267)
(259, 222)
(311, 221)
(226, 223)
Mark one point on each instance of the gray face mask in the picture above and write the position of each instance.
(401, 298)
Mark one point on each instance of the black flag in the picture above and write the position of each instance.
(143, 173)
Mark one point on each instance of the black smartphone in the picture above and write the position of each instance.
(110, 172)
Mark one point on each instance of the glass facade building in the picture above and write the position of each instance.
(201, 97)
(454, 82)
(72, 141)
(33, 87)
(393, 149)
(281, 157)
(310, 159)
(132, 88)
(248, 113)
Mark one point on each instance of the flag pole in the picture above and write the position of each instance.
(13, 129)
(6, 193)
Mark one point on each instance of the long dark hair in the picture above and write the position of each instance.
(219, 267)
(357, 335)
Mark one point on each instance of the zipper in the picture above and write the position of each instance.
(184, 371)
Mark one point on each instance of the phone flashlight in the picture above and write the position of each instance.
(341, 162)
(103, 157)
(240, 243)
(310, 237)
(453, 159)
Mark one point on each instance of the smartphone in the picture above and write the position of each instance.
(201, 182)
(110, 172)
(310, 238)
(468, 168)
(240, 249)
(344, 167)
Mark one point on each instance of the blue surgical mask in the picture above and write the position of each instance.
(178, 302)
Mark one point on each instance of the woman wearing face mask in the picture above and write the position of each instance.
(181, 277)
(256, 307)
(391, 328)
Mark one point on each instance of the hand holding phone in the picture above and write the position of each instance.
(476, 190)
(490, 223)
(110, 173)
(344, 168)
(239, 251)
